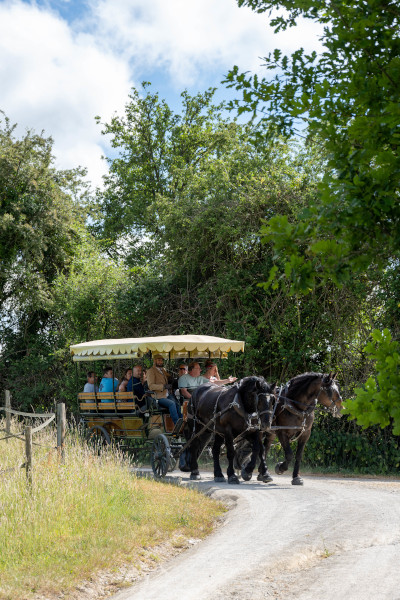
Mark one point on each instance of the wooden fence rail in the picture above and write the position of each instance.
(29, 431)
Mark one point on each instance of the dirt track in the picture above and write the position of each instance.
(331, 539)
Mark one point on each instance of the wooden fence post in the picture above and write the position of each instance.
(61, 420)
(8, 414)
(28, 452)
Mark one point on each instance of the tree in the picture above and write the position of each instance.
(41, 228)
(159, 152)
(377, 403)
(198, 266)
(347, 100)
(40, 223)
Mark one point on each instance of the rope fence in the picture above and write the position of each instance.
(29, 431)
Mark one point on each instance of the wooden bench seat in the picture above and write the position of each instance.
(101, 406)
(102, 396)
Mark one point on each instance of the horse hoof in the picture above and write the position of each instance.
(220, 479)
(297, 481)
(233, 479)
(245, 475)
(195, 476)
(278, 470)
(266, 478)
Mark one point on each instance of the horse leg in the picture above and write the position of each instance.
(216, 449)
(248, 468)
(230, 453)
(296, 480)
(263, 473)
(194, 453)
(285, 443)
(196, 447)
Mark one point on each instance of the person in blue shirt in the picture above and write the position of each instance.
(108, 384)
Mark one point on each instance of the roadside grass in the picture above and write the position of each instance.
(85, 515)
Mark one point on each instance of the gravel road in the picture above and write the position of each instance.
(328, 540)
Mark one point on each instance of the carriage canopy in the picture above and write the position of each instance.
(170, 346)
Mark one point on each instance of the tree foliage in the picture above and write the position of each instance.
(39, 226)
(377, 403)
(41, 229)
(347, 100)
(347, 97)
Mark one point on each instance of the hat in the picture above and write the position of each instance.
(158, 356)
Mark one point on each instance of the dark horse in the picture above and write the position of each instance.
(293, 417)
(224, 414)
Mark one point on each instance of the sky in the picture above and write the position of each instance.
(62, 62)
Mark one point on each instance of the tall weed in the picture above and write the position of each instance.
(85, 514)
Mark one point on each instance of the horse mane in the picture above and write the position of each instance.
(300, 383)
(250, 384)
(252, 379)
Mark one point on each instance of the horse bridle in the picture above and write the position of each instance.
(253, 420)
(332, 408)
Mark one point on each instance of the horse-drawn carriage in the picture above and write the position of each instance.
(117, 417)
(245, 416)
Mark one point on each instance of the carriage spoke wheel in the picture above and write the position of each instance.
(160, 456)
(98, 438)
(172, 464)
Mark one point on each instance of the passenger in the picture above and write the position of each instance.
(182, 370)
(213, 375)
(191, 380)
(157, 380)
(122, 387)
(90, 384)
(107, 384)
(136, 384)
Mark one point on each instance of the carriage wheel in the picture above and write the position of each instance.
(160, 456)
(98, 437)
(172, 464)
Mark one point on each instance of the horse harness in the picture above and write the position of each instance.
(304, 414)
(253, 420)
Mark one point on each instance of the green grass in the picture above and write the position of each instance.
(87, 514)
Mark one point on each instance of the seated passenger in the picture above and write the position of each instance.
(182, 370)
(122, 387)
(191, 380)
(157, 380)
(136, 384)
(213, 375)
(108, 384)
(90, 384)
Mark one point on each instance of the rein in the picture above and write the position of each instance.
(248, 418)
(288, 405)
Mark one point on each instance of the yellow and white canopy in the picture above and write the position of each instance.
(170, 346)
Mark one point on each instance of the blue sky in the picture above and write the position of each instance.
(64, 61)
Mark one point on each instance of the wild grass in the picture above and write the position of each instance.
(83, 515)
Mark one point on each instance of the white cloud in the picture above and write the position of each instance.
(189, 38)
(56, 80)
(56, 76)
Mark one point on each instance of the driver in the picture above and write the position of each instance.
(157, 381)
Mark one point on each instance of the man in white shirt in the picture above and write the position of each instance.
(192, 380)
(89, 385)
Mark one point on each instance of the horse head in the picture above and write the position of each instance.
(255, 394)
(329, 395)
